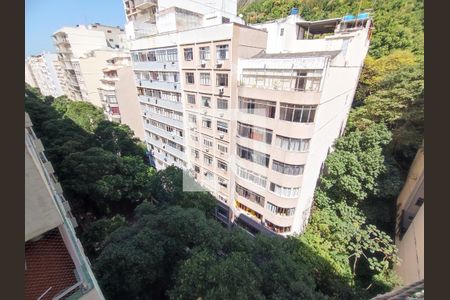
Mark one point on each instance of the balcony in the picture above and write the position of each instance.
(163, 119)
(168, 135)
(156, 65)
(159, 85)
(159, 143)
(144, 4)
(177, 106)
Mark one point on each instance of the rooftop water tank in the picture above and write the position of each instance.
(363, 16)
(294, 11)
(348, 18)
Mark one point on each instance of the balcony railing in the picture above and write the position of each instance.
(144, 4)
(296, 83)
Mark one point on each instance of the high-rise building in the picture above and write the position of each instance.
(409, 236)
(77, 43)
(29, 77)
(44, 69)
(251, 112)
(55, 264)
(118, 94)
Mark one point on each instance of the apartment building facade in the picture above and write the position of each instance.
(44, 70)
(261, 107)
(118, 94)
(75, 43)
(29, 77)
(55, 264)
(410, 223)
(294, 100)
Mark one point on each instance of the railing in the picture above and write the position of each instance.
(297, 83)
(144, 3)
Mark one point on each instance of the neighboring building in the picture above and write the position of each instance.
(118, 94)
(250, 111)
(74, 43)
(155, 55)
(44, 70)
(149, 17)
(29, 77)
(410, 223)
(55, 264)
(294, 100)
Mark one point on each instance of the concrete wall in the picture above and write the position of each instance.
(41, 213)
(128, 102)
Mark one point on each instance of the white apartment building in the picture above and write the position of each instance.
(118, 94)
(294, 100)
(255, 109)
(77, 43)
(155, 56)
(55, 264)
(44, 70)
(149, 17)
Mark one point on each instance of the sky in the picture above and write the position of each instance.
(44, 17)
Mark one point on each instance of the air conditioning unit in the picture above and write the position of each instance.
(219, 63)
(206, 149)
(221, 114)
(193, 127)
(164, 146)
(205, 111)
(203, 63)
(221, 135)
(221, 153)
(221, 89)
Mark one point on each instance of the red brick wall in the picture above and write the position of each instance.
(48, 264)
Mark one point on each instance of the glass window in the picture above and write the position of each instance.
(172, 55)
(222, 148)
(222, 52)
(205, 79)
(208, 159)
(206, 101)
(192, 119)
(297, 113)
(208, 142)
(188, 54)
(205, 53)
(191, 98)
(287, 168)
(222, 79)
(222, 103)
(250, 195)
(257, 107)
(284, 191)
(253, 155)
(222, 126)
(251, 176)
(280, 210)
(222, 181)
(189, 77)
(292, 144)
(222, 165)
(255, 133)
(206, 123)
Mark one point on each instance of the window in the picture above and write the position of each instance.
(257, 107)
(280, 210)
(255, 133)
(222, 148)
(222, 126)
(191, 98)
(222, 165)
(208, 143)
(253, 155)
(206, 101)
(284, 191)
(194, 137)
(222, 79)
(297, 113)
(205, 53)
(111, 40)
(195, 153)
(207, 159)
(249, 195)
(206, 123)
(205, 79)
(222, 52)
(225, 20)
(276, 228)
(192, 119)
(196, 169)
(251, 176)
(172, 55)
(188, 54)
(108, 31)
(209, 175)
(287, 168)
(222, 182)
(222, 103)
(190, 78)
(292, 144)
(151, 56)
(281, 31)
